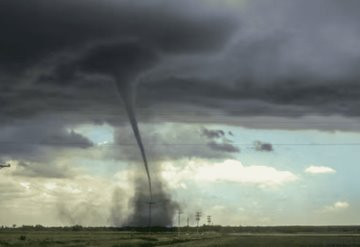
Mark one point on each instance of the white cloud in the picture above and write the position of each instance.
(227, 171)
(319, 170)
(337, 206)
(341, 205)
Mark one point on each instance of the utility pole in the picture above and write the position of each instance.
(187, 221)
(150, 203)
(209, 220)
(197, 218)
(179, 217)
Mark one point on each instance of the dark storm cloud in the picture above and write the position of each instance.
(287, 59)
(246, 98)
(37, 139)
(219, 142)
(223, 147)
(36, 29)
(263, 146)
(63, 57)
(69, 139)
(279, 64)
(213, 134)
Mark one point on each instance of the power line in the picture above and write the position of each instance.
(156, 112)
(168, 144)
(70, 114)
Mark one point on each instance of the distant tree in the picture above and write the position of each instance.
(39, 227)
(76, 228)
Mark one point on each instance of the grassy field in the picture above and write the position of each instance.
(119, 239)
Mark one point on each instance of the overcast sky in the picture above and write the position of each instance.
(248, 110)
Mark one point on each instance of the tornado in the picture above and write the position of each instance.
(128, 95)
(123, 61)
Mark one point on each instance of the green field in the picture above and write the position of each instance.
(118, 239)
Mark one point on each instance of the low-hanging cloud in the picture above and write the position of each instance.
(213, 134)
(223, 147)
(263, 146)
(219, 140)
(39, 140)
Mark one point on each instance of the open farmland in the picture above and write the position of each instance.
(117, 239)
